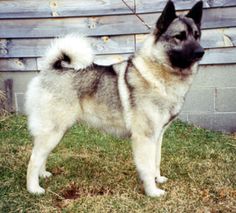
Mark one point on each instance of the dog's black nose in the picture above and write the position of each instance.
(198, 53)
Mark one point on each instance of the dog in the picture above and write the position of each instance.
(136, 98)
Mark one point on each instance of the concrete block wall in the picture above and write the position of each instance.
(20, 82)
(211, 102)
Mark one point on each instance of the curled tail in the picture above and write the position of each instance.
(71, 51)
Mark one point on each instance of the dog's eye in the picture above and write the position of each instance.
(182, 36)
(196, 35)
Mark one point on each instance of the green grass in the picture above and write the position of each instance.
(94, 172)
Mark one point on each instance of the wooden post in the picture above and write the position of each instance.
(8, 85)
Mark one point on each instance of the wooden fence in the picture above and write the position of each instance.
(27, 28)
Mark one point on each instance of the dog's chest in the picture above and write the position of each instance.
(174, 101)
(173, 112)
(163, 109)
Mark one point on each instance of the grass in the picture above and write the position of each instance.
(3, 111)
(94, 172)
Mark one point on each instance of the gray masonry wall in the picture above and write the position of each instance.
(211, 102)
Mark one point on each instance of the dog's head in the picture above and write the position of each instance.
(178, 36)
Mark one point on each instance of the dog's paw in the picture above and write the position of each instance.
(45, 174)
(36, 190)
(155, 192)
(161, 179)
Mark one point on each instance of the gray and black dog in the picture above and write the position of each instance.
(137, 98)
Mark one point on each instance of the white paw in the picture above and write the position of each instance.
(155, 192)
(45, 174)
(161, 179)
(36, 190)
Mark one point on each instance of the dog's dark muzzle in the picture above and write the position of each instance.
(185, 57)
(198, 53)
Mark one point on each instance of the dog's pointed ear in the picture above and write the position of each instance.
(196, 13)
(167, 16)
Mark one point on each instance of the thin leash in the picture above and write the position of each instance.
(134, 13)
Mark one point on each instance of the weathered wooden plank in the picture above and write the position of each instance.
(211, 38)
(99, 26)
(99, 59)
(144, 6)
(212, 56)
(19, 64)
(111, 59)
(219, 17)
(219, 56)
(104, 25)
(113, 44)
(24, 8)
(62, 8)
(37, 47)
(212, 18)
(215, 38)
(23, 47)
(67, 8)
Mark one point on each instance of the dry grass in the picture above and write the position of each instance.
(3, 112)
(94, 172)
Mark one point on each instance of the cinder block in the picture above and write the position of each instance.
(20, 79)
(20, 102)
(199, 100)
(216, 76)
(220, 121)
(183, 116)
(20, 82)
(226, 100)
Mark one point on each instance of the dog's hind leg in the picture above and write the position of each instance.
(158, 177)
(43, 145)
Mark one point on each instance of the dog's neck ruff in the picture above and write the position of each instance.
(155, 80)
(148, 76)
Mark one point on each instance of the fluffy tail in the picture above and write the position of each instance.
(71, 51)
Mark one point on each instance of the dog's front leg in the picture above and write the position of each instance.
(159, 178)
(144, 151)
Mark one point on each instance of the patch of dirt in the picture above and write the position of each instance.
(58, 170)
(224, 192)
(218, 195)
(74, 192)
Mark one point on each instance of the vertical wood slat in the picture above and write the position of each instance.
(8, 86)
